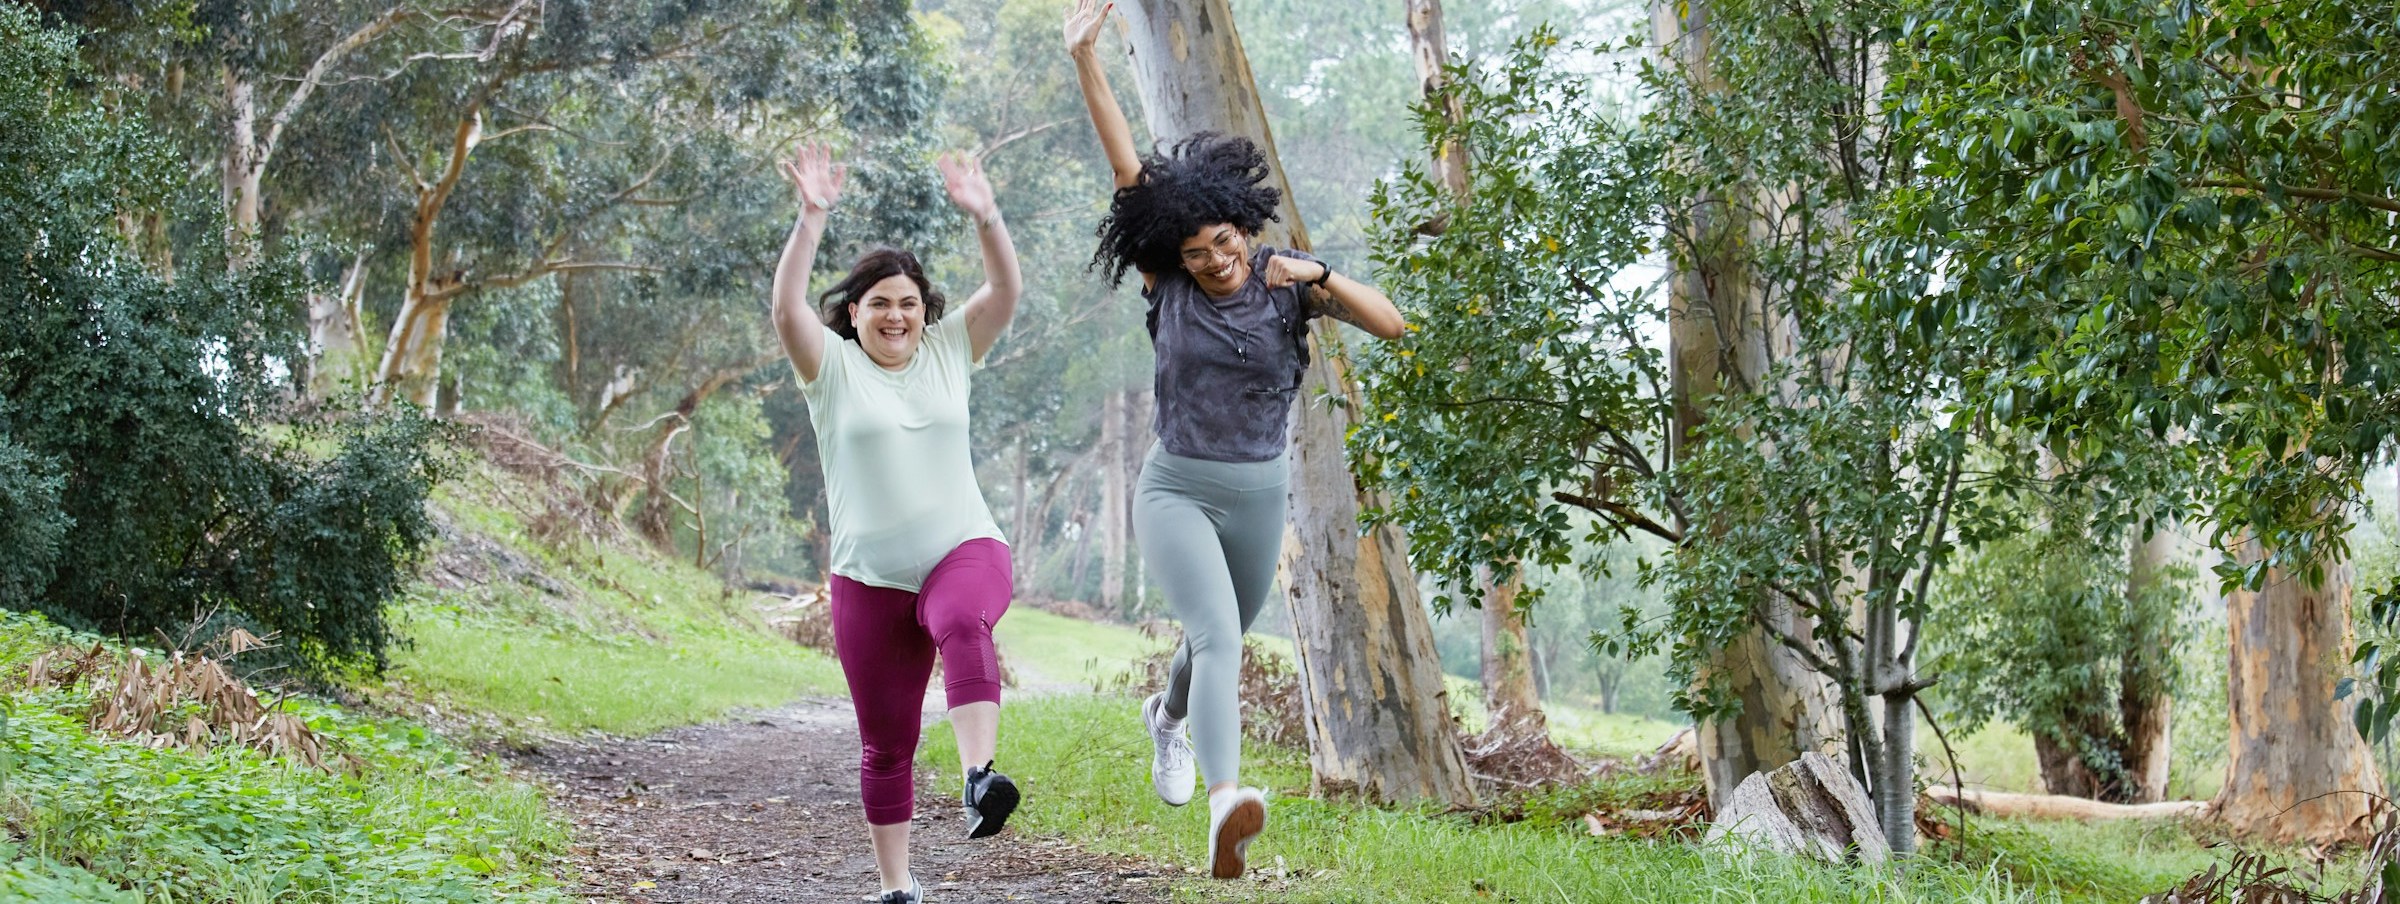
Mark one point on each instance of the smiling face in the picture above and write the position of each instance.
(1218, 258)
(890, 320)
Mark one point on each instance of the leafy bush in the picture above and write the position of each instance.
(140, 487)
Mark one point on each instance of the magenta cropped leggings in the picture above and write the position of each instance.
(886, 639)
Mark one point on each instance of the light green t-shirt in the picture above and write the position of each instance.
(898, 478)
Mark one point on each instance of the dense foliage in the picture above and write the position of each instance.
(148, 493)
(2139, 222)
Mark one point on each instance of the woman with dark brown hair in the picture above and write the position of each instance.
(918, 565)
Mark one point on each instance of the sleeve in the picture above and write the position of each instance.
(832, 368)
(950, 333)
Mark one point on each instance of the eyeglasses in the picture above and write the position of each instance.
(1225, 245)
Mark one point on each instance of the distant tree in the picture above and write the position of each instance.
(2065, 634)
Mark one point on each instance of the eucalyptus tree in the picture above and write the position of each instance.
(2178, 219)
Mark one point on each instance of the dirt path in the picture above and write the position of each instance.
(765, 809)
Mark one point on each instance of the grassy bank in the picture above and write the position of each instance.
(565, 633)
(400, 815)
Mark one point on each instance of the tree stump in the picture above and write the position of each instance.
(1812, 807)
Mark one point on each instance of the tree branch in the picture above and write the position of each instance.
(2313, 194)
(316, 76)
(1625, 515)
(994, 146)
(1941, 525)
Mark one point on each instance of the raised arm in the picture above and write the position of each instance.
(1340, 297)
(817, 183)
(1116, 138)
(994, 304)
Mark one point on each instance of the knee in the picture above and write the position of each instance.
(952, 624)
(1216, 652)
(888, 759)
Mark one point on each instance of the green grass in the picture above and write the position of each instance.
(1053, 651)
(577, 635)
(1083, 764)
(94, 818)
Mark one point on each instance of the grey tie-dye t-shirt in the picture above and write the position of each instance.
(1228, 368)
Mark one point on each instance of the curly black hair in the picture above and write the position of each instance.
(874, 267)
(1205, 179)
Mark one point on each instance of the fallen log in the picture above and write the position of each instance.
(2060, 806)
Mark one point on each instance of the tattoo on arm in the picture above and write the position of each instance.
(1323, 302)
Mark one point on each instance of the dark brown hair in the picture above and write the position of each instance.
(876, 266)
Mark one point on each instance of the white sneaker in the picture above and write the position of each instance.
(1234, 818)
(1171, 771)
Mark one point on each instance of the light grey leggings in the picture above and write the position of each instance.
(1210, 532)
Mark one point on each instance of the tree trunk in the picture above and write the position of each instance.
(1113, 507)
(2297, 770)
(2064, 771)
(1543, 655)
(1430, 50)
(1020, 543)
(242, 169)
(337, 337)
(2147, 667)
(412, 357)
(1508, 691)
(657, 519)
(1719, 341)
(1378, 719)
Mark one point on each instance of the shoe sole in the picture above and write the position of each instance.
(1233, 839)
(991, 813)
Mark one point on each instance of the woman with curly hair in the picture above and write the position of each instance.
(1229, 321)
(918, 564)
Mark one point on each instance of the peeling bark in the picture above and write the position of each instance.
(2297, 770)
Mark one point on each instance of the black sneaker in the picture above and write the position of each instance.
(910, 895)
(990, 797)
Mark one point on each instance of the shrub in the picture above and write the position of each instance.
(141, 486)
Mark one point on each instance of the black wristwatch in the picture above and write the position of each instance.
(1319, 282)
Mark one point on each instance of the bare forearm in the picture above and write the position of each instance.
(1000, 258)
(795, 321)
(1116, 136)
(994, 305)
(1360, 305)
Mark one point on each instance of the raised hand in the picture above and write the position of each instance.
(816, 180)
(962, 178)
(1083, 24)
(1282, 271)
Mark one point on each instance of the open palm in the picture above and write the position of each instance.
(815, 178)
(962, 177)
(1083, 23)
